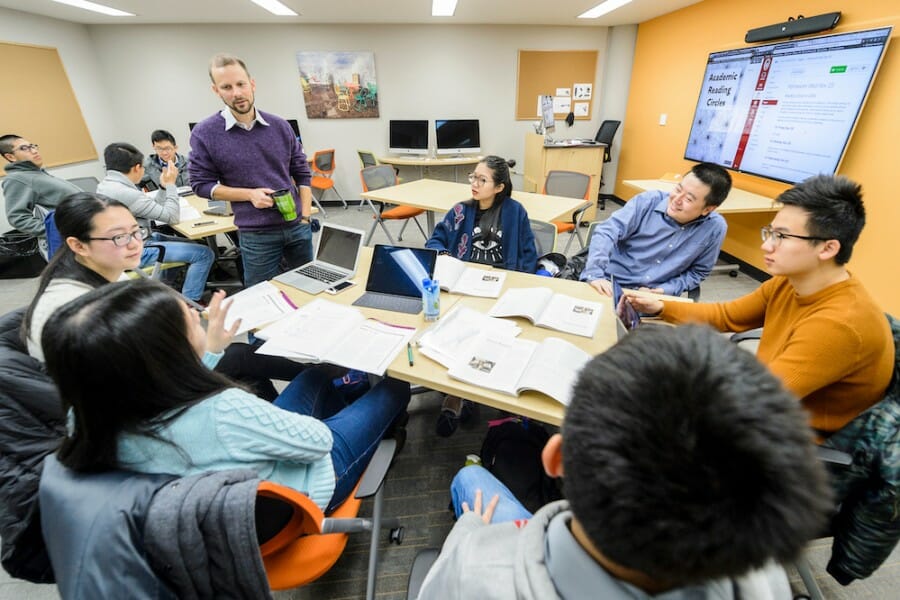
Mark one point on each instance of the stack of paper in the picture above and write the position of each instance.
(453, 336)
(457, 278)
(258, 305)
(325, 332)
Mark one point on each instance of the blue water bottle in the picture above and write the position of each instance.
(431, 299)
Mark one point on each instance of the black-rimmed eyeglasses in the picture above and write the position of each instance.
(123, 239)
(778, 236)
(28, 148)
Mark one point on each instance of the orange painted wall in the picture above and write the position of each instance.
(670, 58)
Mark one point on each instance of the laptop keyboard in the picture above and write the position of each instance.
(402, 304)
(320, 274)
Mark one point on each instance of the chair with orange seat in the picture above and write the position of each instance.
(322, 171)
(299, 544)
(570, 184)
(381, 176)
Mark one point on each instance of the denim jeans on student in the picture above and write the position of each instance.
(476, 477)
(261, 251)
(356, 428)
(199, 259)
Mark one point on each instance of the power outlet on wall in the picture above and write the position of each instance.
(663, 117)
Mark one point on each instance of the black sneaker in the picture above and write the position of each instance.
(454, 410)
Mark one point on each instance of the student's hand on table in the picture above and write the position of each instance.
(260, 197)
(488, 513)
(604, 286)
(643, 304)
(217, 337)
(168, 175)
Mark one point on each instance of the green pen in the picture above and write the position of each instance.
(409, 353)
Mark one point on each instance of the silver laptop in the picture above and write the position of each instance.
(336, 259)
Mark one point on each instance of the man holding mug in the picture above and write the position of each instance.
(245, 156)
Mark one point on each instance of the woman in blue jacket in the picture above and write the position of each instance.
(490, 229)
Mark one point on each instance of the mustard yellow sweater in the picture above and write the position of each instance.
(833, 348)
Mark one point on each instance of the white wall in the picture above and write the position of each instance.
(616, 82)
(131, 80)
(76, 49)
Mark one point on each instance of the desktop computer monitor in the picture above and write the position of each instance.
(408, 137)
(457, 136)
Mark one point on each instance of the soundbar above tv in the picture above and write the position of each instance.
(785, 110)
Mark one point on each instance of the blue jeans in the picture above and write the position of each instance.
(476, 477)
(356, 428)
(262, 251)
(199, 259)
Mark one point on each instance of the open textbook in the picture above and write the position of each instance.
(511, 366)
(323, 331)
(458, 278)
(545, 308)
(454, 335)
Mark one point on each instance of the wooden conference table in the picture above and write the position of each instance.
(440, 196)
(432, 375)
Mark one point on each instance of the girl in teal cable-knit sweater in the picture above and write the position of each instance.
(131, 362)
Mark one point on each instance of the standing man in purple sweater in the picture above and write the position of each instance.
(242, 155)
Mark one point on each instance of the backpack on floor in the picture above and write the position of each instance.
(512, 452)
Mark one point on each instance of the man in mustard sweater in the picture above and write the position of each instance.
(823, 335)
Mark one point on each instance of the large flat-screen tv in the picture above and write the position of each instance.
(785, 110)
(457, 136)
(408, 137)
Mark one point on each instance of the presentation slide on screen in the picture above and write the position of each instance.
(784, 111)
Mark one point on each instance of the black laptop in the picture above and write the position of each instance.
(395, 278)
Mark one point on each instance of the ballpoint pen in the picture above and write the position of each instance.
(409, 353)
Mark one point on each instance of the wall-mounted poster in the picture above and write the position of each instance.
(338, 85)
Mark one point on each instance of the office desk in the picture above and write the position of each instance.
(216, 224)
(424, 162)
(430, 374)
(440, 196)
(738, 201)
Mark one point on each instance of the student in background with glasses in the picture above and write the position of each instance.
(125, 169)
(27, 187)
(823, 335)
(491, 229)
(166, 150)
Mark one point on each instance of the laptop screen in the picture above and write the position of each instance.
(400, 271)
(338, 247)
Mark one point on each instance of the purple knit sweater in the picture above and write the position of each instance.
(262, 157)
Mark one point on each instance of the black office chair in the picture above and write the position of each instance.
(605, 135)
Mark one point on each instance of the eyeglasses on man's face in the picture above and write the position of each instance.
(123, 239)
(164, 149)
(767, 233)
(26, 148)
(478, 180)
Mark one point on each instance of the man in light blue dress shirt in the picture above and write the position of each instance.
(665, 243)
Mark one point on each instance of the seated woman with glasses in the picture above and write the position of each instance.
(101, 240)
(491, 229)
(130, 364)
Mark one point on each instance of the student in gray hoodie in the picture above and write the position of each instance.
(689, 471)
(27, 185)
